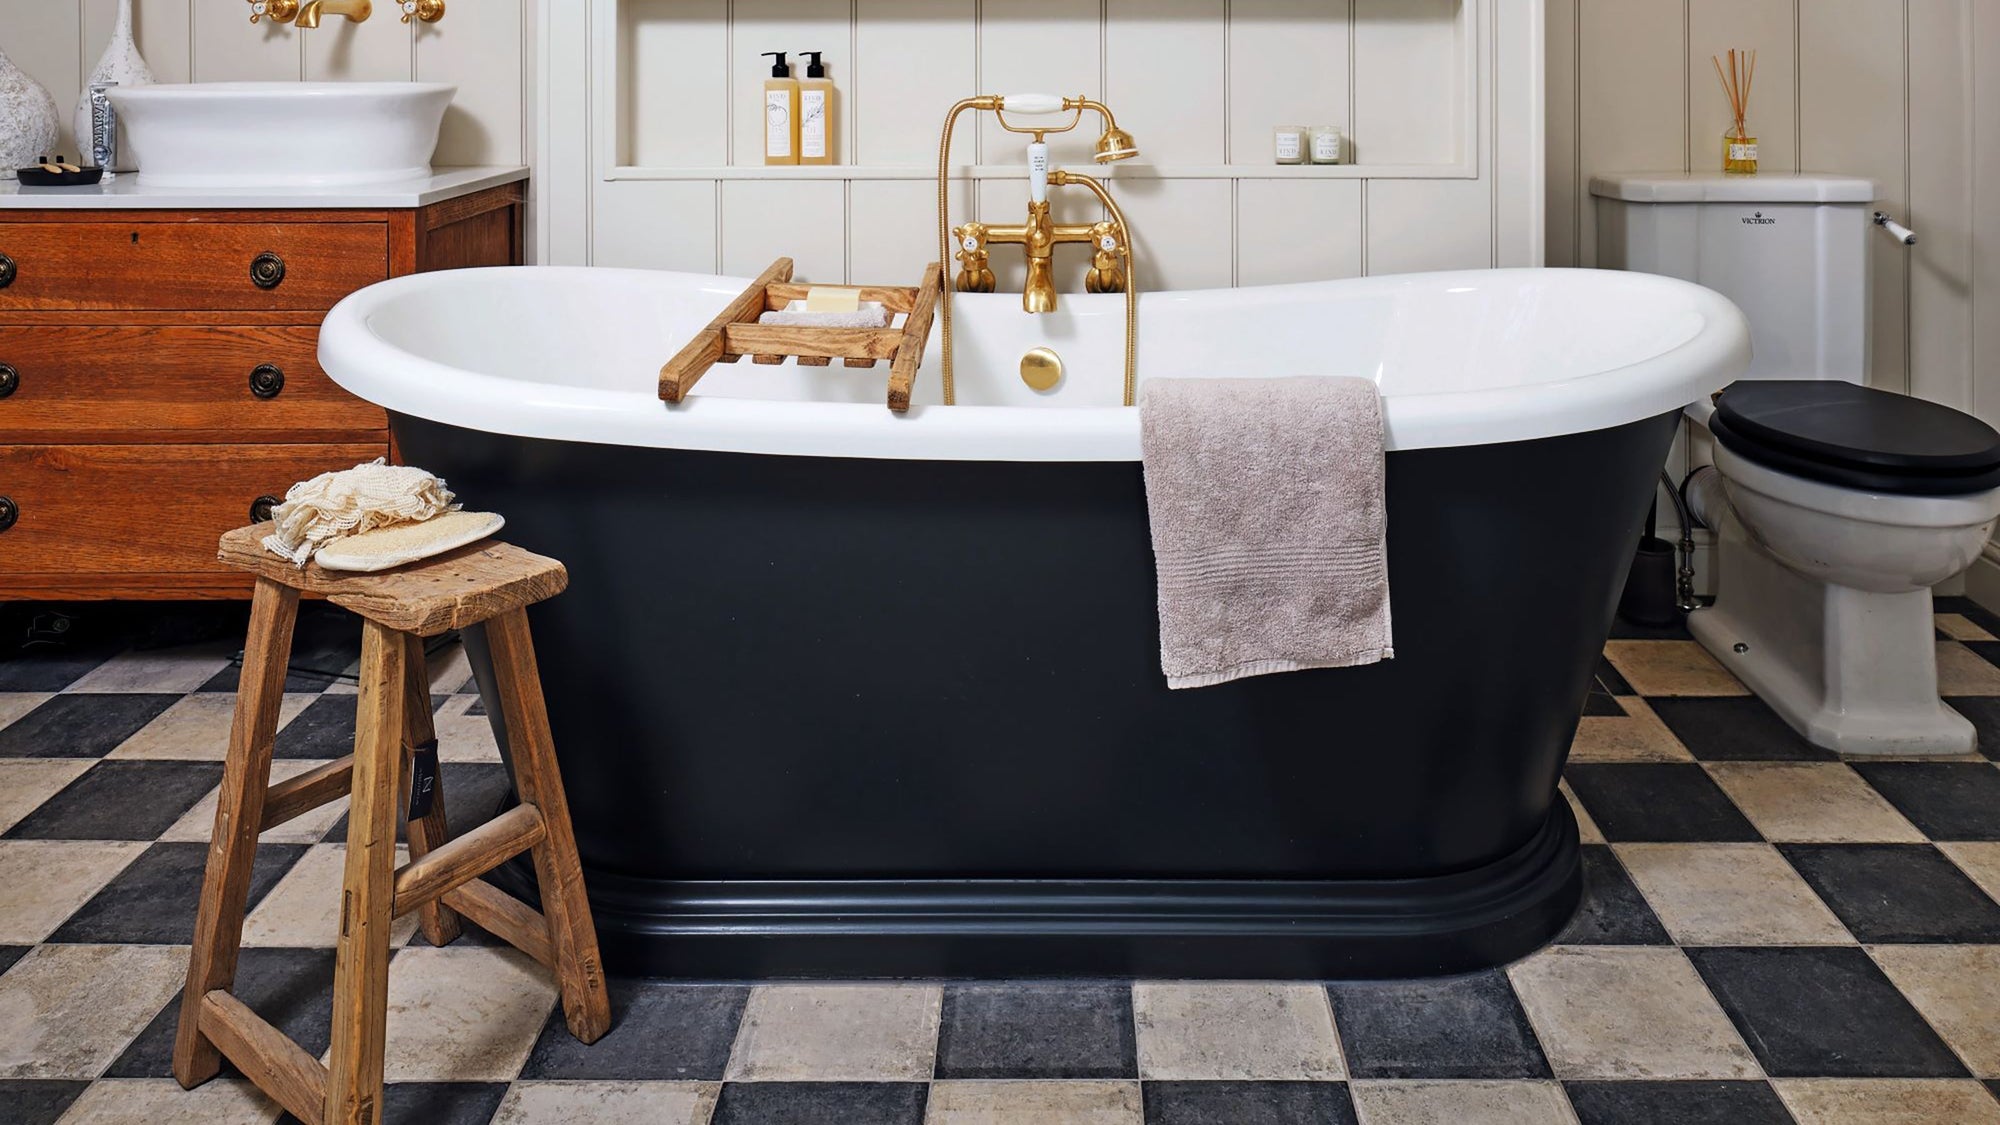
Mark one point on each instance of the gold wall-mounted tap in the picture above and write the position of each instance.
(1110, 240)
(355, 10)
(429, 11)
(277, 11)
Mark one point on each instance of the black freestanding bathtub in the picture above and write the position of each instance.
(826, 713)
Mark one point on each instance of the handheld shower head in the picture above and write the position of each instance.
(1115, 144)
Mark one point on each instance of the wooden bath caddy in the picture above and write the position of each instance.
(735, 333)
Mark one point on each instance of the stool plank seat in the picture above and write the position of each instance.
(485, 585)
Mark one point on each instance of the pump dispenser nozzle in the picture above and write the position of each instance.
(778, 68)
(815, 68)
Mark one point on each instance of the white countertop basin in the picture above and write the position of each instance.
(281, 134)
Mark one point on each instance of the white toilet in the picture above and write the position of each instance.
(1842, 505)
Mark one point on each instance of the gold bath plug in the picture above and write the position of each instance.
(1041, 369)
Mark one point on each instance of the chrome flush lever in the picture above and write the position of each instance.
(1903, 234)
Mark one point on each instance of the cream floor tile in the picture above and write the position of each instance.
(1959, 627)
(1044, 1103)
(1461, 1103)
(1671, 668)
(1957, 988)
(1627, 1012)
(1888, 1101)
(1586, 828)
(14, 704)
(1238, 1031)
(161, 1101)
(27, 782)
(449, 669)
(1812, 802)
(1962, 671)
(197, 728)
(1730, 894)
(464, 1014)
(1980, 861)
(1637, 736)
(838, 1032)
(66, 1011)
(303, 910)
(608, 1103)
(43, 882)
(197, 825)
(454, 705)
(466, 738)
(172, 670)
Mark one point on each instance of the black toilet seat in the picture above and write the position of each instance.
(1857, 437)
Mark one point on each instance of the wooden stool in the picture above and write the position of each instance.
(486, 582)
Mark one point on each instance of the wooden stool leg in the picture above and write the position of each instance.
(440, 922)
(239, 817)
(361, 959)
(579, 968)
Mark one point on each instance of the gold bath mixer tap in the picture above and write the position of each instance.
(308, 14)
(1109, 240)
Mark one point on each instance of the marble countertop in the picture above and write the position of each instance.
(126, 192)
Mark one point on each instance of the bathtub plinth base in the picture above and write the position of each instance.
(1176, 929)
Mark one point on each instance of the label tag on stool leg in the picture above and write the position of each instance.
(423, 779)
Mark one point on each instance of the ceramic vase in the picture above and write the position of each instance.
(29, 119)
(120, 63)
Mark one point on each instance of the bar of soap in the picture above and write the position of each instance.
(832, 299)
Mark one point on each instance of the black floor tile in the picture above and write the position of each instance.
(1735, 729)
(325, 642)
(1623, 630)
(473, 794)
(1948, 800)
(660, 1030)
(1827, 1011)
(1658, 802)
(325, 729)
(1984, 712)
(46, 668)
(152, 901)
(476, 707)
(81, 726)
(435, 1103)
(1451, 1027)
(12, 953)
(1011, 1030)
(292, 988)
(821, 1103)
(1676, 1103)
(1988, 650)
(120, 801)
(25, 1102)
(1979, 614)
(1613, 912)
(1897, 892)
(1248, 1103)
(1600, 704)
(1609, 679)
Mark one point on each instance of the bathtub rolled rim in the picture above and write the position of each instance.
(366, 364)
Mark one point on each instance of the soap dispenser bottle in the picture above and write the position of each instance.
(817, 111)
(781, 113)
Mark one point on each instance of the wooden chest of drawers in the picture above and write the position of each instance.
(159, 382)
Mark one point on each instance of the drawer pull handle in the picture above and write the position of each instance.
(9, 512)
(260, 508)
(10, 380)
(7, 271)
(267, 270)
(266, 381)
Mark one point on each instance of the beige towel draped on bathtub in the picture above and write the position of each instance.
(1270, 531)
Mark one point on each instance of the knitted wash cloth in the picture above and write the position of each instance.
(351, 501)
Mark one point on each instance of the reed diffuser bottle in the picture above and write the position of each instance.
(1739, 146)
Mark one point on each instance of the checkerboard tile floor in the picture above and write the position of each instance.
(1769, 934)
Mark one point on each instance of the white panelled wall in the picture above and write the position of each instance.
(480, 46)
(1904, 91)
(1440, 98)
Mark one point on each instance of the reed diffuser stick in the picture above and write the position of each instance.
(1739, 148)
